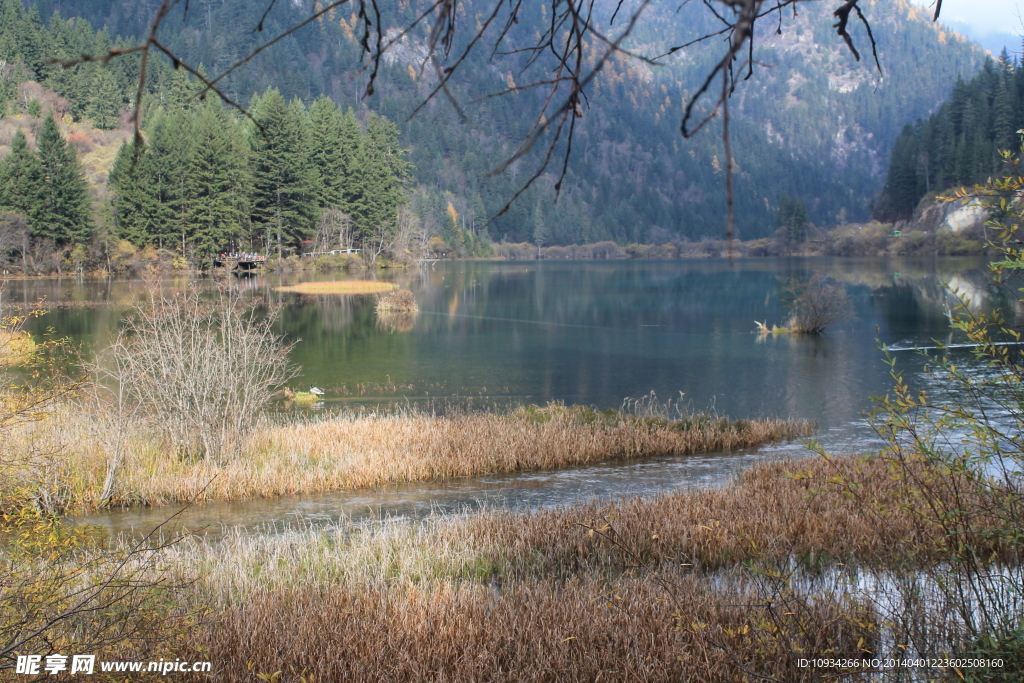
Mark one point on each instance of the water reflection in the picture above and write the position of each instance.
(583, 332)
(590, 333)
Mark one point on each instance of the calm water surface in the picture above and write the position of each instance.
(497, 334)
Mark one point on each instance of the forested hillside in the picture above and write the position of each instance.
(959, 144)
(205, 179)
(812, 123)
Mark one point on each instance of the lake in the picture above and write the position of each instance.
(494, 334)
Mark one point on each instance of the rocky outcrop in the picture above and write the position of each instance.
(933, 215)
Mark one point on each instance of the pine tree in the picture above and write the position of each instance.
(1002, 107)
(179, 90)
(64, 216)
(350, 144)
(216, 180)
(104, 100)
(21, 180)
(901, 185)
(327, 128)
(540, 229)
(137, 209)
(23, 39)
(284, 179)
(380, 176)
(792, 217)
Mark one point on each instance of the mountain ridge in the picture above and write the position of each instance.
(632, 178)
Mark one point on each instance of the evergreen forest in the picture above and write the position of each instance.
(205, 179)
(960, 143)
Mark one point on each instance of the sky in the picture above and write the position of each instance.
(1000, 21)
(984, 16)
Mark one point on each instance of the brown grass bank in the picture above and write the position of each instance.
(376, 449)
(536, 597)
(581, 630)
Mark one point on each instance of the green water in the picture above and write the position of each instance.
(583, 332)
(498, 334)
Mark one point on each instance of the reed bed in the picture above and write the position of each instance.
(378, 449)
(582, 630)
(397, 301)
(340, 287)
(535, 596)
(774, 514)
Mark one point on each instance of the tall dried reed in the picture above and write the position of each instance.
(534, 596)
(697, 585)
(581, 630)
(368, 450)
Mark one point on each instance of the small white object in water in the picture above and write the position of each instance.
(316, 390)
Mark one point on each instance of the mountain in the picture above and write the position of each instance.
(812, 122)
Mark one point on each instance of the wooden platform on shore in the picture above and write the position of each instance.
(240, 261)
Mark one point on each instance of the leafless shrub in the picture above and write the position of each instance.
(523, 251)
(202, 370)
(556, 253)
(397, 301)
(409, 244)
(818, 304)
(56, 593)
(606, 250)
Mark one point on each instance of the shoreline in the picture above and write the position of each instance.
(718, 251)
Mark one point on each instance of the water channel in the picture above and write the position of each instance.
(490, 335)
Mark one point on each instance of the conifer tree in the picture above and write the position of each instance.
(180, 90)
(901, 185)
(216, 180)
(22, 37)
(380, 176)
(284, 189)
(792, 216)
(350, 144)
(171, 144)
(136, 201)
(64, 215)
(104, 100)
(328, 153)
(1003, 105)
(21, 180)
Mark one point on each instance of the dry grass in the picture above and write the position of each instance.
(534, 596)
(397, 301)
(340, 287)
(582, 630)
(371, 450)
(773, 514)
